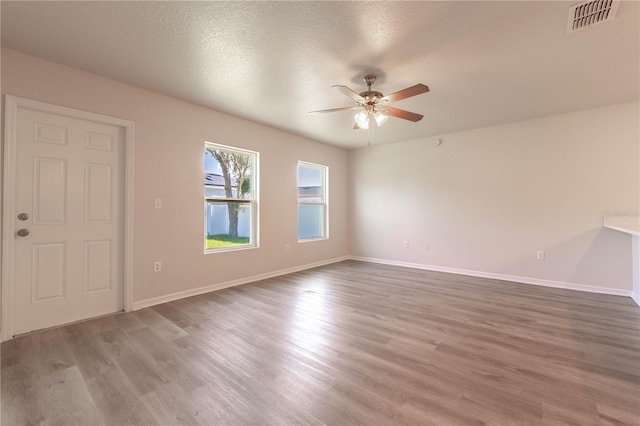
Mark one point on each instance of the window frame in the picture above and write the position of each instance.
(325, 201)
(254, 157)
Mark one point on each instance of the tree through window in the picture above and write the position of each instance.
(230, 181)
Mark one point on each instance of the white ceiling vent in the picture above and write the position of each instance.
(588, 13)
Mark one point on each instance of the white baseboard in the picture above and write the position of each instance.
(200, 290)
(513, 278)
(501, 277)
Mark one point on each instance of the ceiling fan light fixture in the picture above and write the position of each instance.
(380, 117)
(362, 119)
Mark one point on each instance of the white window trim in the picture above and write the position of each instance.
(255, 217)
(325, 197)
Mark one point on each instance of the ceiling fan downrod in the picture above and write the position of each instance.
(371, 97)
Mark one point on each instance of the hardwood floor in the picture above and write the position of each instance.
(349, 343)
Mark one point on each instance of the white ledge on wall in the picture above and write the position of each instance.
(626, 224)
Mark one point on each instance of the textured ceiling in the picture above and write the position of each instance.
(486, 63)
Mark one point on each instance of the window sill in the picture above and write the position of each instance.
(309, 240)
(232, 248)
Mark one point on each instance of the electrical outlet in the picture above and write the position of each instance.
(286, 247)
(427, 246)
(540, 255)
(406, 244)
(157, 266)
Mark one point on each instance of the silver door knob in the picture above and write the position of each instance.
(23, 232)
(23, 216)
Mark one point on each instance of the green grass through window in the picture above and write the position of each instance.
(215, 241)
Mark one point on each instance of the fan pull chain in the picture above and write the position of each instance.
(372, 123)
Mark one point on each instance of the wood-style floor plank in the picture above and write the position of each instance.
(68, 400)
(344, 344)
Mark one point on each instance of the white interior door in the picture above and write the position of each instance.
(70, 185)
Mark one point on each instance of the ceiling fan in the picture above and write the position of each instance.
(373, 105)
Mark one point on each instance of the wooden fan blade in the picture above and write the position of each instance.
(406, 93)
(405, 115)
(350, 93)
(333, 110)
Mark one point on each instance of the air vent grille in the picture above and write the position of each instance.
(586, 14)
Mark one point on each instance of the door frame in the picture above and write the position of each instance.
(11, 106)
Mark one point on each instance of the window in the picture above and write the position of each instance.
(230, 196)
(312, 201)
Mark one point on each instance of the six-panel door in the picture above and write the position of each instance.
(69, 182)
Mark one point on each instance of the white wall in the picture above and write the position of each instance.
(486, 200)
(170, 136)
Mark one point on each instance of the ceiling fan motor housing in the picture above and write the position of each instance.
(371, 97)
